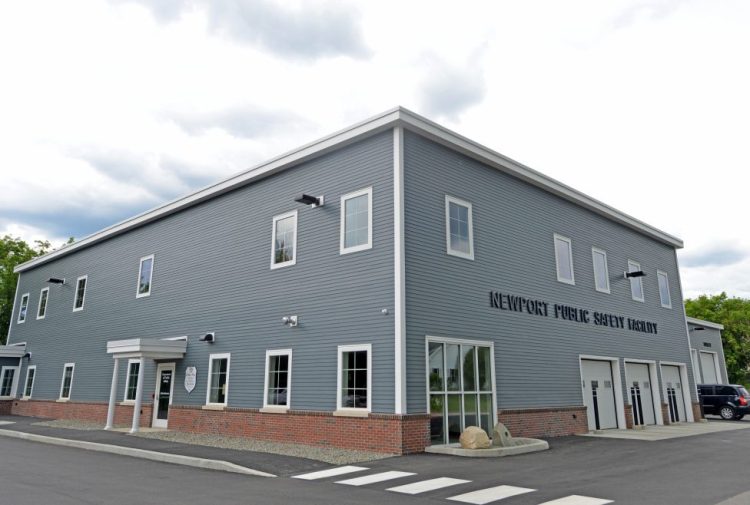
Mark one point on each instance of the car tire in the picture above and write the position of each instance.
(727, 412)
(739, 417)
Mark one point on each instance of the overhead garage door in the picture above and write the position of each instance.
(670, 374)
(708, 364)
(599, 394)
(640, 393)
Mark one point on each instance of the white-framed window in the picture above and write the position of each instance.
(664, 296)
(459, 228)
(356, 221)
(354, 377)
(81, 283)
(28, 386)
(8, 381)
(66, 385)
(636, 283)
(278, 385)
(218, 379)
(601, 271)
(23, 308)
(284, 240)
(145, 275)
(564, 259)
(41, 311)
(131, 379)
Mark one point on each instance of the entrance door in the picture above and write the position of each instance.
(708, 364)
(599, 394)
(163, 397)
(640, 392)
(670, 374)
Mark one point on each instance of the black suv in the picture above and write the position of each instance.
(730, 401)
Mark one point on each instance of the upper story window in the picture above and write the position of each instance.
(601, 272)
(23, 308)
(355, 377)
(131, 381)
(67, 381)
(356, 221)
(145, 274)
(459, 229)
(284, 246)
(218, 379)
(43, 297)
(664, 296)
(80, 293)
(636, 283)
(29, 384)
(278, 378)
(564, 259)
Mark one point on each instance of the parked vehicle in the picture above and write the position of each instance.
(730, 401)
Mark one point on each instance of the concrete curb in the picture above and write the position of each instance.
(163, 457)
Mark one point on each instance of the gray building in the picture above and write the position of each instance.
(382, 288)
(707, 352)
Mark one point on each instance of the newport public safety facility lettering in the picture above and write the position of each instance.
(513, 303)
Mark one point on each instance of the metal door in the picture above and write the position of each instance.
(670, 375)
(708, 365)
(640, 393)
(599, 394)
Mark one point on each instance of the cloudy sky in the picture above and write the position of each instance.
(110, 107)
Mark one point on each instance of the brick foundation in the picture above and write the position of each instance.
(5, 406)
(553, 422)
(83, 411)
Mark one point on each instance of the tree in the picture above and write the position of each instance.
(734, 314)
(13, 251)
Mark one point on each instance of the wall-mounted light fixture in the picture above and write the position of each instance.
(209, 337)
(27, 355)
(312, 201)
(697, 328)
(291, 321)
(637, 273)
(56, 280)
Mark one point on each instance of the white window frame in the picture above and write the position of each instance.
(62, 381)
(292, 261)
(138, 294)
(75, 293)
(352, 348)
(342, 226)
(594, 252)
(568, 241)
(211, 359)
(127, 379)
(637, 266)
(21, 312)
(39, 305)
(269, 354)
(448, 200)
(697, 373)
(14, 384)
(24, 396)
(660, 273)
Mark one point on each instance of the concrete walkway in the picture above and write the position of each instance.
(652, 433)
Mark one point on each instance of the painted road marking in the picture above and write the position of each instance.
(575, 499)
(427, 485)
(377, 477)
(491, 494)
(331, 472)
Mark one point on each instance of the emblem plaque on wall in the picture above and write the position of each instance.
(190, 376)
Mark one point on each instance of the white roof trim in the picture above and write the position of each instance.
(12, 350)
(707, 324)
(147, 348)
(384, 121)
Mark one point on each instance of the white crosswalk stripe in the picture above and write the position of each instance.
(490, 494)
(376, 477)
(331, 472)
(575, 499)
(427, 485)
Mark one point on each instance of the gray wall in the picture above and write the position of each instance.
(536, 358)
(211, 273)
(712, 337)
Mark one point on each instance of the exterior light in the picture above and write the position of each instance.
(637, 273)
(56, 280)
(291, 321)
(209, 337)
(312, 201)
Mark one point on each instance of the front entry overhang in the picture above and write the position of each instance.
(13, 351)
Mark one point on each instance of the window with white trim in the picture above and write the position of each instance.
(354, 377)
(284, 241)
(601, 272)
(564, 259)
(67, 381)
(356, 221)
(459, 228)
(664, 296)
(28, 387)
(80, 293)
(145, 275)
(131, 380)
(23, 308)
(278, 378)
(41, 311)
(636, 283)
(8, 381)
(218, 379)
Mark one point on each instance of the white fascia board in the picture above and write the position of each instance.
(12, 351)
(149, 347)
(707, 324)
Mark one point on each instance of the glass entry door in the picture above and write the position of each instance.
(163, 396)
(460, 389)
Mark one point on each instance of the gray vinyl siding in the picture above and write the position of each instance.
(536, 358)
(212, 273)
(712, 337)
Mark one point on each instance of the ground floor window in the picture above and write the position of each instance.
(460, 388)
(278, 377)
(218, 379)
(29, 385)
(131, 382)
(355, 369)
(7, 381)
(67, 381)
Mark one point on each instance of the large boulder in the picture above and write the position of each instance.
(474, 437)
(501, 437)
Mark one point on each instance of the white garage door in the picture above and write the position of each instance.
(708, 364)
(670, 374)
(599, 394)
(640, 393)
